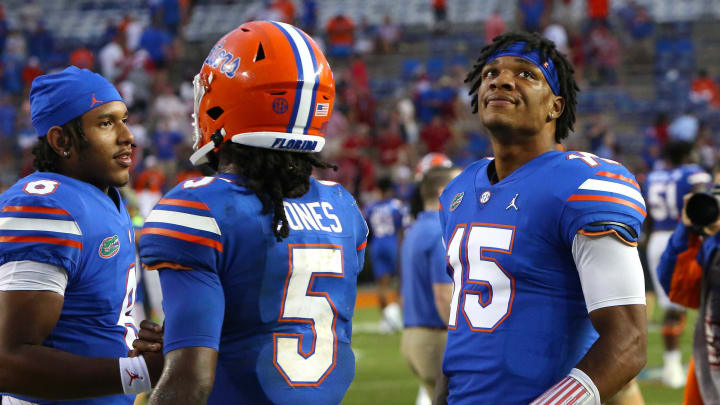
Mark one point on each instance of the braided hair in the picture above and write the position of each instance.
(546, 48)
(46, 158)
(272, 175)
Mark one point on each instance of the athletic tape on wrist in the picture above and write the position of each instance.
(134, 375)
(575, 389)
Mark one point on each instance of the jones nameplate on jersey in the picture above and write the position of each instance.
(314, 216)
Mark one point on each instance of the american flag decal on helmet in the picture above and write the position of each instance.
(322, 109)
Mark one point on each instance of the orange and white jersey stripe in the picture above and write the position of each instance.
(608, 187)
(39, 224)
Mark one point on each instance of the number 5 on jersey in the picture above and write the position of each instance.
(303, 305)
(474, 273)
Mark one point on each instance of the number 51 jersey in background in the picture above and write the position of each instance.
(50, 218)
(518, 319)
(288, 305)
(665, 189)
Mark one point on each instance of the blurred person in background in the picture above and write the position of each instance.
(341, 37)
(685, 127)
(436, 135)
(688, 272)
(440, 23)
(286, 8)
(530, 14)
(388, 35)
(494, 26)
(704, 90)
(386, 218)
(426, 286)
(664, 190)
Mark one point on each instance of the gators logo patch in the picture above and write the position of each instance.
(109, 247)
(456, 201)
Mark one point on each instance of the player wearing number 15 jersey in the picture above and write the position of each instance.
(259, 263)
(548, 299)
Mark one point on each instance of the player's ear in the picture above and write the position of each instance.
(556, 108)
(59, 141)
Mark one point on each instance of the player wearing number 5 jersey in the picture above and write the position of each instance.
(67, 253)
(548, 299)
(259, 263)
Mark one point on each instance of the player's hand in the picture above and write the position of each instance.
(150, 339)
(713, 228)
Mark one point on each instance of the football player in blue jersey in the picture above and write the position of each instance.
(259, 263)
(548, 303)
(426, 287)
(664, 190)
(386, 218)
(67, 254)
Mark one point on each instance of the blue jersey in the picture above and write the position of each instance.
(50, 218)
(386, 219)
(518, 319)
(423, 264)
(664, 191)
(279, 312)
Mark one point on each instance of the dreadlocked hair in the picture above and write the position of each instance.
(46, 159)
(273, 176)
(546, 48)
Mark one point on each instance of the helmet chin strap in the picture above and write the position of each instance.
(200, 156)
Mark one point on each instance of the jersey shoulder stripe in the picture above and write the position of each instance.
(183, 216)
(604, 198)
(183, 203)
(187, 237)
(615, 186)
(196, 222)
(34, 209)
(618, 176)
(39, 224)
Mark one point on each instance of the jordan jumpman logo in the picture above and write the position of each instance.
(94, 100)
(512, 203)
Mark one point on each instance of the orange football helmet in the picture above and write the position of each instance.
(429, 161)
(264, 84)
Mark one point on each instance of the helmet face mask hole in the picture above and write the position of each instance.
(215, 112)
(260, 53)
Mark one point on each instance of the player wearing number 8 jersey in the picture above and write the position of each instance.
(67, 253)
(548, 299)
(268, 255)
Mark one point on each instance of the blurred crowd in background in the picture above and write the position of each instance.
(400, 89)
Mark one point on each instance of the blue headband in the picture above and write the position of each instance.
(547, 67)
(56, 99)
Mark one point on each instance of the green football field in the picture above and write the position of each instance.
(382, 377)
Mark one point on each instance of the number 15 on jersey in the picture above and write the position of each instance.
(474, 273)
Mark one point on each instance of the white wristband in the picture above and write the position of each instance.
(575, 389)
(134, 375)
